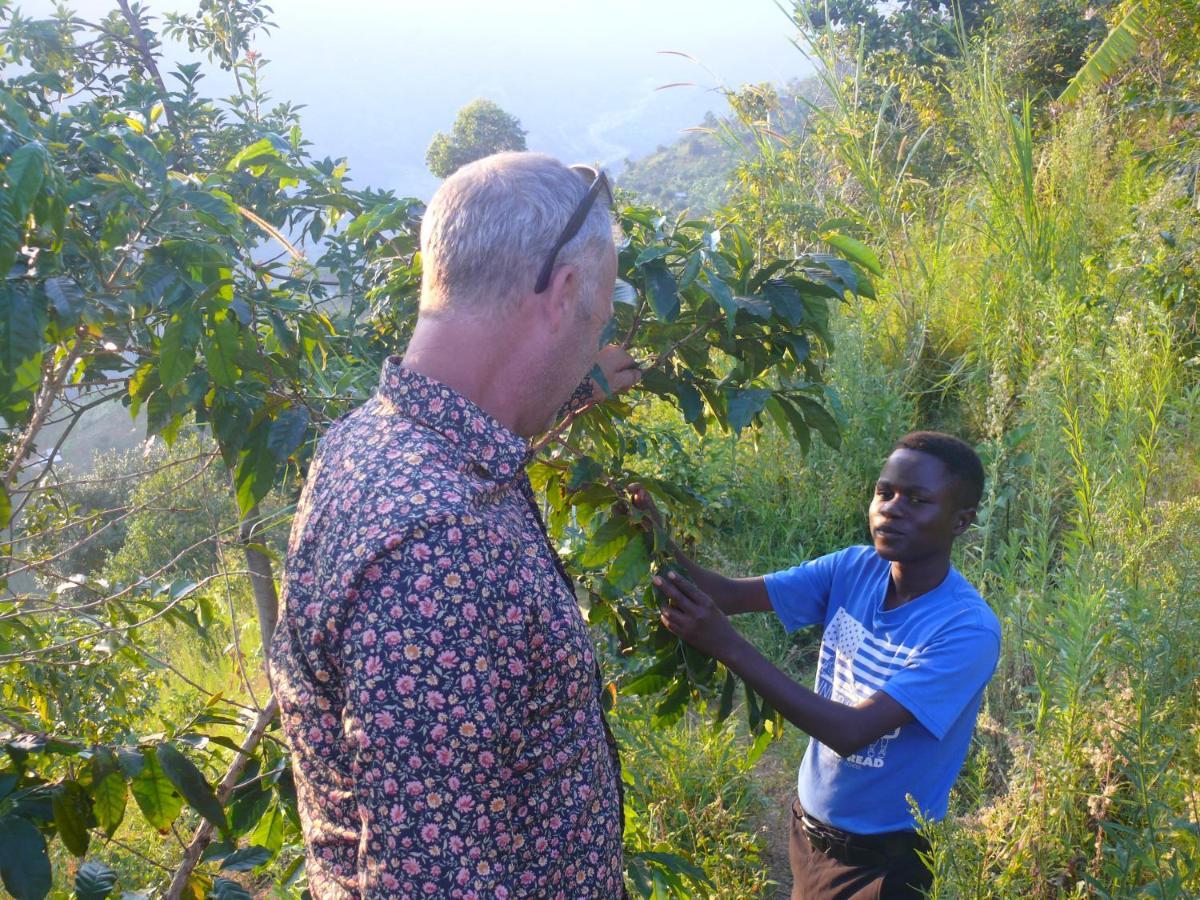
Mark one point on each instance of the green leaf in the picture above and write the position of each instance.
(661, 291)
(744, 405)
(228, 889)
(192, 785)
(73, 816)
(819, 419)
(584, 471)
(109, 796)
(255, 472)
(94, 881)
(287, 432)
(24, 174)
(24, 865)
(631, 566)
(20, 349)
(1116, 51)
(690, 402)
(66, 299)
(651, 254)
(786, 301)
(222, 349)
(246, 859)
(156, 796)
(725, 707)
(176, 353)
(761, 743)
(5, 507)
(855, 250)
(719, 291)
(605, 542)
(690, 270)
(217, 205)
(256, 152)
(269, 831)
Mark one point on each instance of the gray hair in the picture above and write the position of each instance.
(491, 226)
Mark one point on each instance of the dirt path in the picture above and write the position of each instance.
(776, 775)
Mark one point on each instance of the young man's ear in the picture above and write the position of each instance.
(963, 519)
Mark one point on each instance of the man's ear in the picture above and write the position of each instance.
(963, 519)
(559, 297)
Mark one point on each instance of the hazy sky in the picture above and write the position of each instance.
(379, 78)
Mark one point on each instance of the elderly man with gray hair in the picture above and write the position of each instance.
(438, 685)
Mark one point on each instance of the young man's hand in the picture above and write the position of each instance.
(620, 371)
(644, 503)
(693, 616)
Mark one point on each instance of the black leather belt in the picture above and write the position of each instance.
(873, 850)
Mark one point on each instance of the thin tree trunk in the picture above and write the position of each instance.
(266, 602)
(262, 580)
(204, 834)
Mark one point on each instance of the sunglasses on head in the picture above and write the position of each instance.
(598, 182)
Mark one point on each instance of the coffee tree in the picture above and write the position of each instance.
(189, 260)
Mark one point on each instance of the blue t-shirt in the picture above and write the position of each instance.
(932, 655)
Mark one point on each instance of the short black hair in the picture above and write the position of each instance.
(956, 455)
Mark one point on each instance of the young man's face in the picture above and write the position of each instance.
(917, 511)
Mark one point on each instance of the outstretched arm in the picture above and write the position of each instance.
(732, 595)
(694, 616)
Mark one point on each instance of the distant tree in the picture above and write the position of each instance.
(480, 129)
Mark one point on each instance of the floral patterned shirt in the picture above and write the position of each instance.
(437, 682)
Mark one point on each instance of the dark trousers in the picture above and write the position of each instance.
(840, 875)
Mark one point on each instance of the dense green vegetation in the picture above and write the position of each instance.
(1012, 268)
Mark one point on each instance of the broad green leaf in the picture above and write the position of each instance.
(269, 831)
(94, 881)
(584, 471)
(222, 349)
(109, 796)
(66, 299)
(725, 707)
(855, 249)
(605, 543)
(5, 507)
(785, 300)
(651, 254)
(156, 796)
(24, 865)
(20, 349)
(23, 177)
(73, 816)
(671, 709)
(255, 473)
(1114, 53)
(246, 859)
(661, 291)
(744, 405)
(631, 566)
(690, 270)
(176, 353)
(719, 291)
(819, 419)
(287, 432)
(256, 152)
(228, 889)
(690, 402)
(192, 784)
(217, 204)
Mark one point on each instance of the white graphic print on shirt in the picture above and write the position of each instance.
(854, 664)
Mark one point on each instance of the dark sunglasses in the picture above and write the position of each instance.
(599, 182)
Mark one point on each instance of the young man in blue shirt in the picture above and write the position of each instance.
(907, 649)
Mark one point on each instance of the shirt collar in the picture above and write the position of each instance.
(499, 452)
